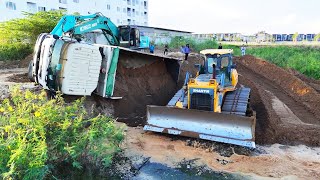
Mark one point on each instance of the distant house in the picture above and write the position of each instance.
(262, 36)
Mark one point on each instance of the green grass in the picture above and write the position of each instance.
(306, 60)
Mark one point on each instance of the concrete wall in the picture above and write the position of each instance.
(118, 10)
(162, 36)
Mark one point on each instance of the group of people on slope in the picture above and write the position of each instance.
(242, 48)
(186, 50)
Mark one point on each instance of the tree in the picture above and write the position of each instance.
(317, 37)
(295, 37)
(28, 28)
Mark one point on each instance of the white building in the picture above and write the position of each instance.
(121, 12)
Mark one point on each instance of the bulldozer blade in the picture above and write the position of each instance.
(226, 128)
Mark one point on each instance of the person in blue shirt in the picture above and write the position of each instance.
(151, 48)
(186, 51)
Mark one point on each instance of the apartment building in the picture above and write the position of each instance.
(121, 12)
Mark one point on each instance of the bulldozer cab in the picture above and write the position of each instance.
(217, 62)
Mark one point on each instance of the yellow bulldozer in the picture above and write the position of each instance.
(210, 106)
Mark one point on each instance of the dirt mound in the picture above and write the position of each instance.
(287, 108)
(311, 82)
(139, 86)
(24, 63)
(150, 85)
(188, 66)
(292, 85)
(19, 78)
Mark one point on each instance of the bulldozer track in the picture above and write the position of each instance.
(236, 102)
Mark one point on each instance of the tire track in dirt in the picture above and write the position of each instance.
(281, 117)
(298, 109)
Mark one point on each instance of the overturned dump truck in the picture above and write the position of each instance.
(76, 68)
(210, 106)
(82, 54)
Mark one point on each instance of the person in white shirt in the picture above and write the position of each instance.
(243, 50)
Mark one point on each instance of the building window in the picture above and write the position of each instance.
(32, 7)
(76, 1)
(137, 2)
(108, 7)
(118, 9)
(63, 1)
(129, 2)
(124, 10)
(129, 21)
(118, 21)
(129, 11)
(11, 5)
(62, 8)
(40, 8)
(133, 2)
(133, 22)
(145, 4)
(137, 13)
(133, 12)
(145, 23)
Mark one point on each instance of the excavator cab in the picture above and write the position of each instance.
(129, 37)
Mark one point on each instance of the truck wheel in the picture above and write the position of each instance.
(30, 74)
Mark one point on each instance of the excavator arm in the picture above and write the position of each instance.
(77, 25)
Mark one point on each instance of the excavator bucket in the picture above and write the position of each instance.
(226, 128)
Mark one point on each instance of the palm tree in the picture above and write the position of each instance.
(295, 37)
(317, 37)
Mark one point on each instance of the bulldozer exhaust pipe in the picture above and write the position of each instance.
(231, 129)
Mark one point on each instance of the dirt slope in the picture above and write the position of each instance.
(287, 108)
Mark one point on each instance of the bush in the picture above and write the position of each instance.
(306, 60)
(197, 46)
(28, 28)
(15, 51)
(178, 41)
(37, 135)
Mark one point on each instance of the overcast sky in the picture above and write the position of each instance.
(243, 16)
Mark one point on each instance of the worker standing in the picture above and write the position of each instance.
(166, 49)
(151, 48)
(220, 46)
(182, 49)
(243, 50)
(186, 51)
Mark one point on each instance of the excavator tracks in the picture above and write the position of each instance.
(236, 102)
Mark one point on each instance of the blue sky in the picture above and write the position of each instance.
(243, 16)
